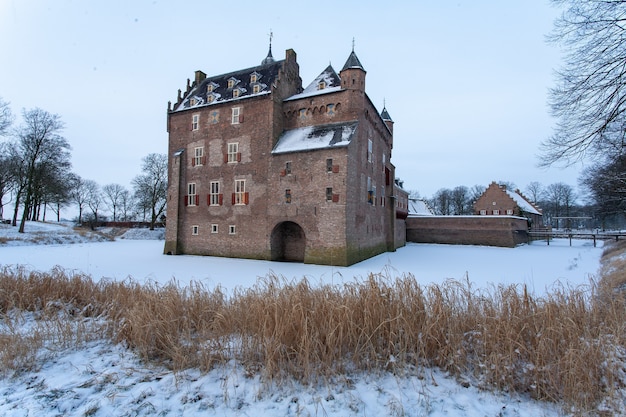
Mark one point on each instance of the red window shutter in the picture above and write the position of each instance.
(240, 118)
(208, 199)
(204, 160)
(193, 161)
(335, 198)
(233, 198)
(197, 198)
(335, 169)
(186, 200)
(225, 158)
(283, 172)
(238, 156)
(220, 199)
(246, 198)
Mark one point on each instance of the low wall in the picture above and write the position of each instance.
(506, 231)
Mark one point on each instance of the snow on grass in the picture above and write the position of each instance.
(99, 378)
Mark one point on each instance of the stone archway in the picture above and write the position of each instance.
(288, 242)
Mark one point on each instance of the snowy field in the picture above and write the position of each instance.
(102, 379)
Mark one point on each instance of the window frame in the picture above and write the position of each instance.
(239, 196)
(214, 228)
(198, 156)
(191, 194)
(232, 153)
(215, 196)
(232, 229)
(195, 229)
(235, 115)
(195, 121)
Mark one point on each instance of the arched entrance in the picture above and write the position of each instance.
(288, 242)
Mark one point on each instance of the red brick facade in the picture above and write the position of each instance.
(498, 201)
(234, 192)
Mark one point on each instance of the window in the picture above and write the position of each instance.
(382, 197)
(233, 154)
(509, 212)
(302, 113)
(321, 85)
(210, 98)
(215, 117)
(198, 157)
(193, 102)
(496, 212)
(240, 196)
(330, 109)
(256, 88)
(235, 115)
(236, 93)
(254, 77)
(192, 197)
(329, 193)
(214, 228)
(370, 147)
(231, 83)
(215, 197)
(329, 165)
(288, 196)
(195, 119)
(384, 161)
(288, 168)
(231, 229)
(194, 230)
(370, 191)
(211, 87)
(483, 212)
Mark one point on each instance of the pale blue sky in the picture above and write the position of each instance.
(465, 82)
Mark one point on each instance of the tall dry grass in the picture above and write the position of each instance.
(567, 346)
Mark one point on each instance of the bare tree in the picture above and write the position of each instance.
(441, 203)
(79, 195)
(151, 187)
(7, 176)
(94, 201)
(560, 198)
(535, 192)
(40, 144)
(112, 195)
(589, 99)
(6, 117)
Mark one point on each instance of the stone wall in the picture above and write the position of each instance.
(505, 231)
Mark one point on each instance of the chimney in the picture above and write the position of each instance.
(200, 76)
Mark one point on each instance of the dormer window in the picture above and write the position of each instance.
(256, 89)
(193, 102)
(321, 85)
(254, 77)
(211, 87)
(210, 98)
(232, 82)
(236, 93)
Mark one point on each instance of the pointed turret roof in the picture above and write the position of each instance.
(353, 62)
(385, 115)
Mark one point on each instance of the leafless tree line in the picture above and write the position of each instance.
(36, 175)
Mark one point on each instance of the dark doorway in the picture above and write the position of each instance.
(288, 242)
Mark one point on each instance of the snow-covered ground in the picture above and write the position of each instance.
(102, 379)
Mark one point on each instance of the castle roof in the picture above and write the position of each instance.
(329, 78)
(221, 88)
(316, 137)
(353, 62)
(385, 115)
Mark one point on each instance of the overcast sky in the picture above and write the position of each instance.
(465, 82)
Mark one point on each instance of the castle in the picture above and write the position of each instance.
(262, 168)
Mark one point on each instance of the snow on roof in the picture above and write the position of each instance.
(419, 208)
(316, 137)
(523, 204)
(331, 83)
